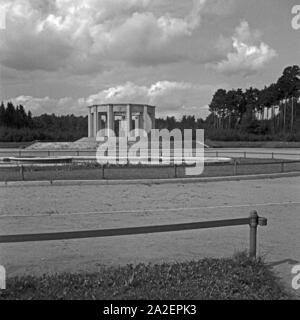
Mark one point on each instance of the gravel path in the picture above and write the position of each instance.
(44, 209)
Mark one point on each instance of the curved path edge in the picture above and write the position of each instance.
(145, 181)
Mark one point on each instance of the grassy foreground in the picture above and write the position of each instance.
(235, 278)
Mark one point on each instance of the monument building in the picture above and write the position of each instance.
(121, 118)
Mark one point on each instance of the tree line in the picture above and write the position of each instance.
(17, 125)
(272, 110)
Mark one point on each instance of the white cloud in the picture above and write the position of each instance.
(89, 35)
(248, 54)
(171, 98)
(50, 105)
(168, 96)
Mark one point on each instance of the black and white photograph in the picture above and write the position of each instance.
(149, 153)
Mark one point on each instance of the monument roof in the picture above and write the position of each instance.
(121, 104)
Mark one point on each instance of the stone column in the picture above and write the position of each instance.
(110, 117)
(137, 122)
(136, 125)
(95, 121)
(99, 121)
(90, 126)
(145, 118)
(128, 119)
(153, 119)
(141, 121)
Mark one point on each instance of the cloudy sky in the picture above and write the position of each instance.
(62, 55)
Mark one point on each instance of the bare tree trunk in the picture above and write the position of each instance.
(278, 122)
(279, 116)
(273, 118)
(292, 114)
(284, 115)
(215, 121)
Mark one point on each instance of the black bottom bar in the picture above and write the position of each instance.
(143, 309)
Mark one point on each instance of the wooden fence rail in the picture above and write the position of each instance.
(253, 221)
(76, 152)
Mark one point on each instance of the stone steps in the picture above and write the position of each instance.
(82, 144)
(92, 145)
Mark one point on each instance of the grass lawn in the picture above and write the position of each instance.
(253, 144)
(233, 278)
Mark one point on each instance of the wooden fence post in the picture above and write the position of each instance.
(22, 172)
(234, 167)
(103, 173)
(253, 233)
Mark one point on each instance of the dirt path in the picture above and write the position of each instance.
(42, 209)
